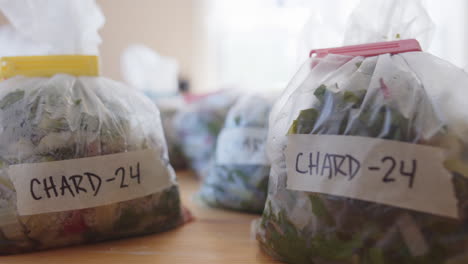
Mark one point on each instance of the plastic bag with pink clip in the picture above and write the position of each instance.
(398, 113)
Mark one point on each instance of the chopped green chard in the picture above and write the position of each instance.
(306, 227)
(51, 121)
(11, 98)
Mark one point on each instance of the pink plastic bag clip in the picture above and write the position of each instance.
(371, 49)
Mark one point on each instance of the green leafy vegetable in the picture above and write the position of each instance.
(11, 98)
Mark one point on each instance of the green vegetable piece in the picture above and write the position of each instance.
(237, 120)
(320, 92)
(263, 184)
(320, 210)
(89, 122)
(308, 115)
(169, 204)
(305, 121)
(214, 127)
(11, 98)
(54, 124)
(335, 248)
(288, 242)
(128, 219)
(460, 183)
(375, 256)
(241, 175)
(355, 98)
(293, 128)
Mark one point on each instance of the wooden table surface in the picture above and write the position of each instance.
(215, 236)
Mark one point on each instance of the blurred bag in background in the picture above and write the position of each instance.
(238, 178)
(198, 126)
(157, 77)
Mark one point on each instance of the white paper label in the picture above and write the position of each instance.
(245, 146)
(382, 171)
(87, 182)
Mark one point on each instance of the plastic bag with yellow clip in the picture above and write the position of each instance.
(60, 122)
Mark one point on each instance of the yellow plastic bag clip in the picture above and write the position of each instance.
(47, 66)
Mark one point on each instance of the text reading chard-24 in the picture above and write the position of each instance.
(83, 183)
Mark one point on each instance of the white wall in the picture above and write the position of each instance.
(164, 25)
(450, 39)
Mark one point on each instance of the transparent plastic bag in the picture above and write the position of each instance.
(198, 126)
(398, 19)
(382, 100)
(153, 74)
(70, 27)
(157, 77)
(238, 178)
(12, 43)
(67, 118)
(169, 108)
(83, 158)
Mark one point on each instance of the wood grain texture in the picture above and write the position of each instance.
(215, 236)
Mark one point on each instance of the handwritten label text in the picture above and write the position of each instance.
(87, 182)
(243, 145)
(382, 171)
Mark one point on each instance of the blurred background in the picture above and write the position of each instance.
(253, 44)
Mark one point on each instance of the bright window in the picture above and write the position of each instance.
(256, 42)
